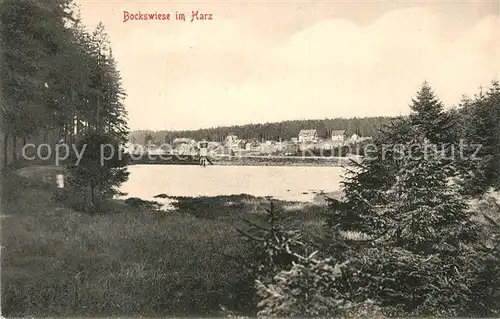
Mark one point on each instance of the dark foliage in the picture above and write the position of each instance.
(56, 76)
(478, 125)
(101, 168)
(417, 253)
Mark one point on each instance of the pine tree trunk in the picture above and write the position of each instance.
(5, 149)
(92, 195)
(78, 128)
(64, 133)
(14, 146)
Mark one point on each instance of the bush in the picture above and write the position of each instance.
(273, 246)
(306, 290)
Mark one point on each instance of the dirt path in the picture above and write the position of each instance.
(38, 170)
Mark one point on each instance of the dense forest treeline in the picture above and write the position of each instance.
(285, 130)
(57, 76)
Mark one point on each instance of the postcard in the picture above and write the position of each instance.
(249, 159)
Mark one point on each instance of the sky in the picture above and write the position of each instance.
(266, 61)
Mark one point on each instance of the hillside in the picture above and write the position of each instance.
(367, 126)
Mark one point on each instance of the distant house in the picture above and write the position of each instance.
(237, 145)
(252, 145)
(338, 136)
(186, 149)
(183, 145)
(183, 140)
(308, 136)
(230, 139)
(328, 144)
(290, 148)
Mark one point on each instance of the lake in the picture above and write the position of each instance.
(292, 183)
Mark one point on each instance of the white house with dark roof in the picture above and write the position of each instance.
(308, 136)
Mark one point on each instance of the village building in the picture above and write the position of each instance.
(186, 149)
(183, 140)
(290, 148)
(308, 136)
(184, 145)
(230, 139)
(328, 144)
(237, 145)
(252, 145)
(339, 136)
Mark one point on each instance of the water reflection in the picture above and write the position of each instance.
(292, 183)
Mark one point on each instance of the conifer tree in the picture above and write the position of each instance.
(404, 197)
(428, 114)
(485, 292)
(105, 116)
(424, 211)
(33, 34)
(487, 132)
(365, 183)
(365, 186)
(481, 133)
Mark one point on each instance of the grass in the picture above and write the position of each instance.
(134, 261)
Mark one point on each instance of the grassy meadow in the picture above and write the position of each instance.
(132, 260)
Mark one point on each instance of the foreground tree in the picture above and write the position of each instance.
(365, 183)
(34, 40)
(405, 198)
(484, 130)
(430, 117)
(424, 209)
(56, 76)
(485, 292)
(100, 170)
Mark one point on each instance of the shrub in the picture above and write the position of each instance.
(273, 246)
(312, 288)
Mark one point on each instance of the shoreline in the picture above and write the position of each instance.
(307, 161)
